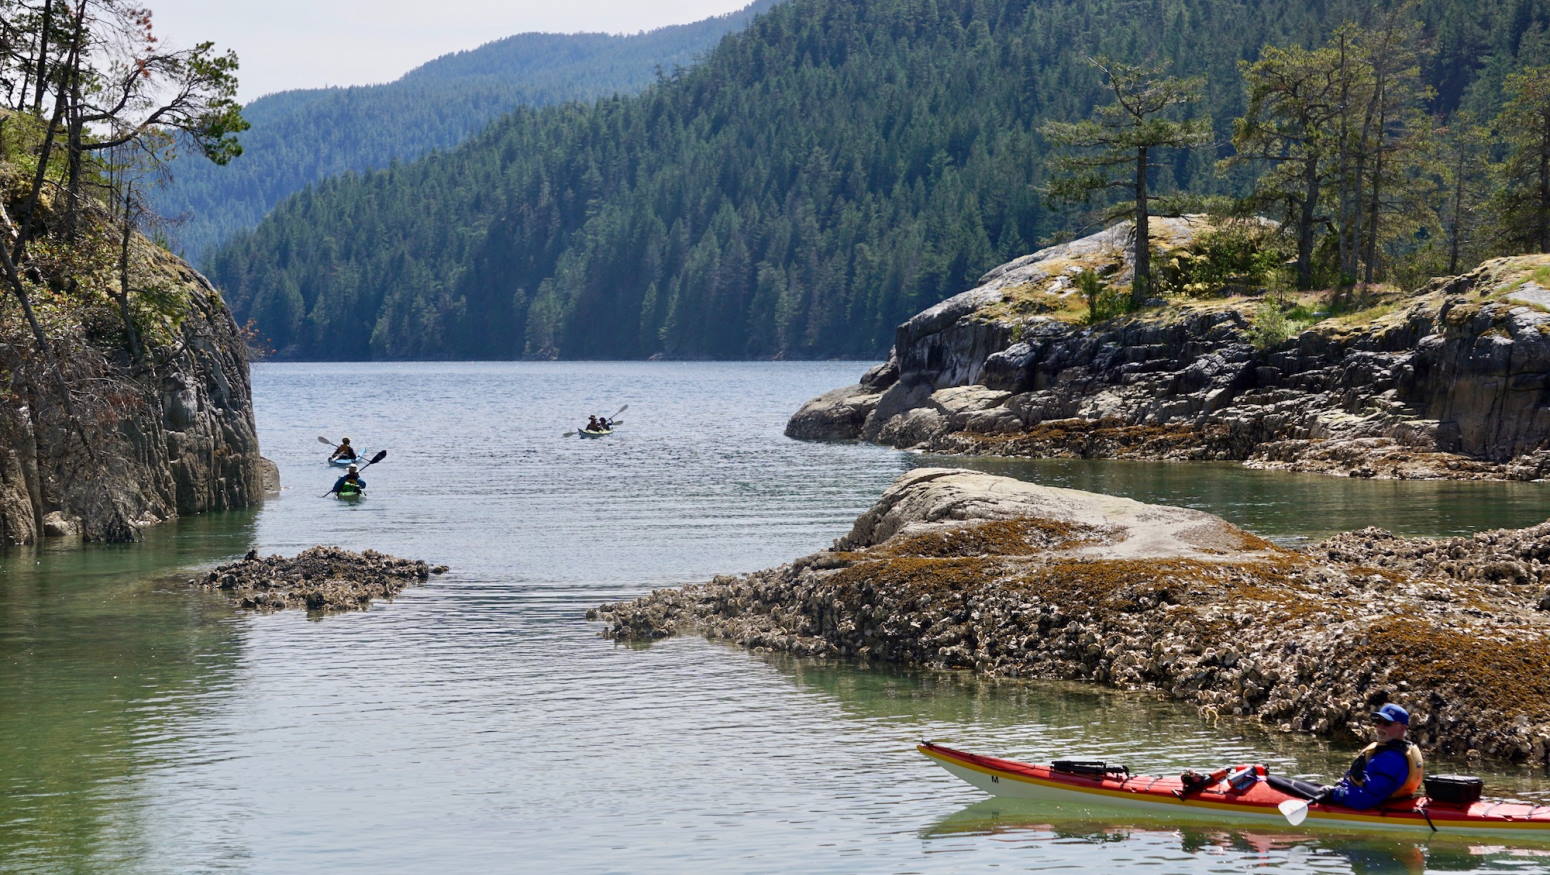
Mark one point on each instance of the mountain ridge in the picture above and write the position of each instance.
(301, 136)
(819, 178)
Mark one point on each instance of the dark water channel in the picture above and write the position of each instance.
(478, 723)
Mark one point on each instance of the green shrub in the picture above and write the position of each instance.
(1235, 257)
(1103, 301)
(1273, 323)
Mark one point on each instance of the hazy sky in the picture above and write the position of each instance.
(285, 44)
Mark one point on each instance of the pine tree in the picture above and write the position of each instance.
(1118, 147)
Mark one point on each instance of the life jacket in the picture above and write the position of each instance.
(1412, 753)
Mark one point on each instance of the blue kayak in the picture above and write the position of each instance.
(360, 459)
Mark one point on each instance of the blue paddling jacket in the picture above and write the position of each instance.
(339, 484)
(1381, 773)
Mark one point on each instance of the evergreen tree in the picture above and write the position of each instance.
(1523, 199)
(1125, 137)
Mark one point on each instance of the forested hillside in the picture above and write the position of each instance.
(299, 137)
(822, 176)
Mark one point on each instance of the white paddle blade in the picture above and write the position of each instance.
(1294, 810)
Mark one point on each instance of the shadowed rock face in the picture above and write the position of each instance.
(957, 569)
(1455, 383)
(177, 437)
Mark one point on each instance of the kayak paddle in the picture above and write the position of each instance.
(1296, 810)
(324, 440)
(374, 460)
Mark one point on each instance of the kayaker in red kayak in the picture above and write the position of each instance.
(1389, 768)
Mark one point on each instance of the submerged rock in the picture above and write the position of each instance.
(318, 579)
(957, 569)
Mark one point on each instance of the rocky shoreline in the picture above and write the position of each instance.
(1451, 381)
(317, 579)
(956, 569)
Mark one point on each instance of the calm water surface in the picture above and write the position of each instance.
(479, 723)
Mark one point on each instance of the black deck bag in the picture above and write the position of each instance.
(1087, 768)
(1453, 789)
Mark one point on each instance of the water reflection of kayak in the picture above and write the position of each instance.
(1008, 779)
(1033, 823)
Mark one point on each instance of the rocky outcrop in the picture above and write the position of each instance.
(102, 444)
(956, 569)
(317, 579)
(1450, 382)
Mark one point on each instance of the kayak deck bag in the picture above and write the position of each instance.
(1454, 789)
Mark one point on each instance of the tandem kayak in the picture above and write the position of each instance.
(1010, 779)
(587, 432)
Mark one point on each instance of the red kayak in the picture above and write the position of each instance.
(1258, 801)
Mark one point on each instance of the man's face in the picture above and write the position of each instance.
(1387, 730)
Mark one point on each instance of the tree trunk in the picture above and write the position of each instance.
(135, 350)
(24, 230)
(1141, 284)
(1457, 230)
(1543, 218)
(42, 74)
(1375, 203)
(1310, 202)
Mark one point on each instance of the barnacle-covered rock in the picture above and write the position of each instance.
(956, 569)
(318, 579)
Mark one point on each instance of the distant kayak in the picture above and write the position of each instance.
(589, 433)
(345, 463)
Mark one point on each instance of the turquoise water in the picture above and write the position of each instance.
(479, 723)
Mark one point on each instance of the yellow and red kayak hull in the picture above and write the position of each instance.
(1015, 780)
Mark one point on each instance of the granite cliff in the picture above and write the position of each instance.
(1449, 381)
(137, 411)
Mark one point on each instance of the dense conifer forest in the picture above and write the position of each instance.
(299, 137)
(843, 163)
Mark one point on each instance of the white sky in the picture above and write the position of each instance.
(284, 44)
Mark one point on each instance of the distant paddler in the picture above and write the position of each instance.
(350, 485)
(598, 426)
(344, 451)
